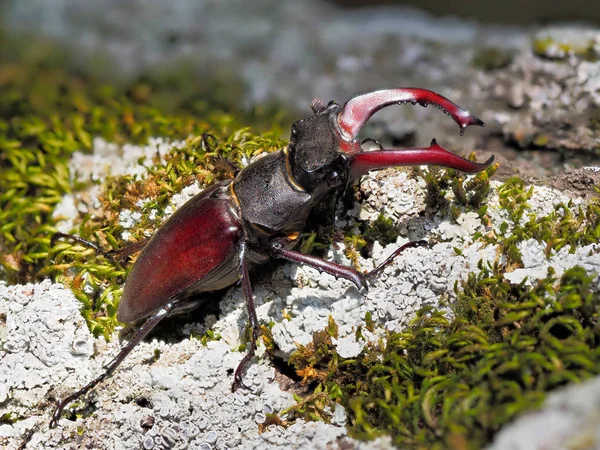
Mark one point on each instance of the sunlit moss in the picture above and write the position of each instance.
(465, 368)
(458, 379)
(382, 229)
(469, 192)
(555, 48)
(491, 58)
(567, 225)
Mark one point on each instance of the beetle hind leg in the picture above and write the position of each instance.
(139, 335)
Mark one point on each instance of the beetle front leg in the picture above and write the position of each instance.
(252, 319)
(278, 250)
(412, 244)
(139, 335)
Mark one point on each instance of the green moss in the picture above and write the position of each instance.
(469, 193)
(567, 225)
(313, 407)
(9, 418)
(455, 381)
(209, 336)
(551, 48)
(452, 380)
(491, 58)
(383, 229)
(541, 140)
(594, 118)
(353, 243)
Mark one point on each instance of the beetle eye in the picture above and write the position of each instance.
(333, 179)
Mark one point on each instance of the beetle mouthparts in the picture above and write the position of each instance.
(358, 110)
(434, 155)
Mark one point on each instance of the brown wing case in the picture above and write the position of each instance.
(192, 248)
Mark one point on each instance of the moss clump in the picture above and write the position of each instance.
(551, 48)
(469, 192)
(9, 418)
(491, 58)
(453, 382)
(382, 229)
(566, 225)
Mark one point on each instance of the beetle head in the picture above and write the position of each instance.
(324, 151)
(316, 159)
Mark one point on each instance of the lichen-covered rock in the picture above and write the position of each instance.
(552, 90)
(569, 418)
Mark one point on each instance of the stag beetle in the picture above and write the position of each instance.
(260, 214)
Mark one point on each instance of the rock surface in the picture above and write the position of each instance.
(569, 418)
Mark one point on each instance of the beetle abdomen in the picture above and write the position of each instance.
(192, 251)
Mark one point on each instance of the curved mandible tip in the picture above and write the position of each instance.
(357, 111)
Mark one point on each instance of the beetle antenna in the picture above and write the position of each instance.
(412, 244)
(317, 105)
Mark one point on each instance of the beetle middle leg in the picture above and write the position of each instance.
(139, 335)
(278, 250)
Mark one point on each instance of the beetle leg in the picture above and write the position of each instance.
(139, 335)
(278, 250)
(337, 270)
(434, 155)
(389, 259)
(252, 319)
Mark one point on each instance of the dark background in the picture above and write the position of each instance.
(521, 12)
